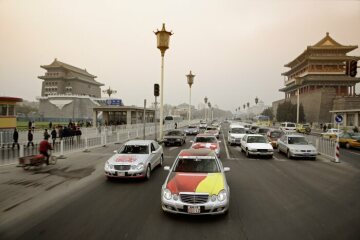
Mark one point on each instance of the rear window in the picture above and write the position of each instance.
(291, 125)
(197, 165)
(206, 139)
(263, 130)
(169, 118)
(238, 130)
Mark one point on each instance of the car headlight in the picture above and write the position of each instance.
(140, 166)
(213, 198)
(167, 194)
(175, 197)
(222, 195)
(108, 165)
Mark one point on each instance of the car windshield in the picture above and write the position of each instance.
(191, 127)
(256, 139)
(135, 149)
(238, 130)
(263, 130)
(197, 165)
(275, 134)
(297, 140)
(291, 125)
(174, 133)
(206, 139)
(211, 128)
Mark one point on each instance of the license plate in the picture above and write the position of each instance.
(193, 209)
(121, 174)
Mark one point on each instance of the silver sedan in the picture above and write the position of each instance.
(296, 146)
(135, 159)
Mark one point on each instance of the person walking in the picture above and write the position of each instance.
(53, 136)
(30, 138)
(15, 138)
(50, 125)
(46, 134)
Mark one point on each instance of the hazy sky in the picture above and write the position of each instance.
(237, 49)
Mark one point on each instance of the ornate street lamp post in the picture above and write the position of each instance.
(256, 100)
(190, 81)
(209, 104)
(109, 91)
(163, 39)
(205, 100)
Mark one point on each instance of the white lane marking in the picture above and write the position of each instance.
(226, 149)
(173, 148)
(352, 153)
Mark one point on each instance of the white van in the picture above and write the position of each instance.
(288, 127)
(236, 132)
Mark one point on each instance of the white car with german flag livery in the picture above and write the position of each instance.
(196, 184)
(206, 140)
(135, 159)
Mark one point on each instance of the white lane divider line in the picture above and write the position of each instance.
(226, 149)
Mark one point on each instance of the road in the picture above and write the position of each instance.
(270, 199)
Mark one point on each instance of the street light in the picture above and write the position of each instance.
(205, 100)
(209, 104)
(109, 91)
(163, 38)
(190, 81)
(256, 100)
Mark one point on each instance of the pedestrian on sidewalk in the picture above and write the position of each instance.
(50, 125)
(53, 136)
(30, 139)
(46, 134)
(15, 138)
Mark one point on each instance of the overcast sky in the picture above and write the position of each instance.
(237, 49)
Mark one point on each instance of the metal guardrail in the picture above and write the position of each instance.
(9, 155)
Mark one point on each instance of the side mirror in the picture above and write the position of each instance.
(153, 152)
(226, 169)
(167, 168)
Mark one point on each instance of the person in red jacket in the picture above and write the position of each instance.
(44, 147)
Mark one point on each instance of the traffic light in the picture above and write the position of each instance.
(156, 90)
(353, 68)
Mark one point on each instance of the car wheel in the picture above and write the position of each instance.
(288, 154)
(161, 161)
(148, 173)
(347, 145)
(247, 153)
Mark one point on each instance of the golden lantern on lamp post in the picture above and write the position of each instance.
(190, 81)
(109, 91)
(163, 39)
(205, 100)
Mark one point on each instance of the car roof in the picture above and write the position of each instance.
(254, 135)
(294, 135)
(196, 152)
(139, 142)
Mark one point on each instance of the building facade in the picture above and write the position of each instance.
(8, 113)
(68, 92)
(319, 76)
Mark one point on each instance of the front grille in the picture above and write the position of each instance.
(122, 167)
(194, 198)
(262, 150)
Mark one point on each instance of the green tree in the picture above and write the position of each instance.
(286, 112)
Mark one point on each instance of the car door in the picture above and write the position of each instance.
(243, 142)
(281, 143)
(156, 154)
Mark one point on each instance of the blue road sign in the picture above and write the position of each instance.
(339, 118)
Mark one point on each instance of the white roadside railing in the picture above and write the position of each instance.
(91, 139)
(324, 146)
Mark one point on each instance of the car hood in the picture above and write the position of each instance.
(237, 135)
(301, 147)
(260, 145)
(211, 183)
(211, 146)
(127, 159)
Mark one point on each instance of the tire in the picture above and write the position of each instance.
(347, 145)
(52, 160)
(288, 154)
(148, 173)
(247, 153)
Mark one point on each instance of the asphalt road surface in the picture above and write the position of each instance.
(270, 199)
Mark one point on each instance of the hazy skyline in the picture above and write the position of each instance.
(236, 49)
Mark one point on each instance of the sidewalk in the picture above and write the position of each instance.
(23, 192)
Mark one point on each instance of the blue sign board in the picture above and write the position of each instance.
(339, 118)
(117, 102)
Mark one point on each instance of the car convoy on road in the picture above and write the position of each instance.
(196, 183)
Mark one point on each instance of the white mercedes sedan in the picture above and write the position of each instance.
(256, 144)
(135, 159)
(296, 146)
